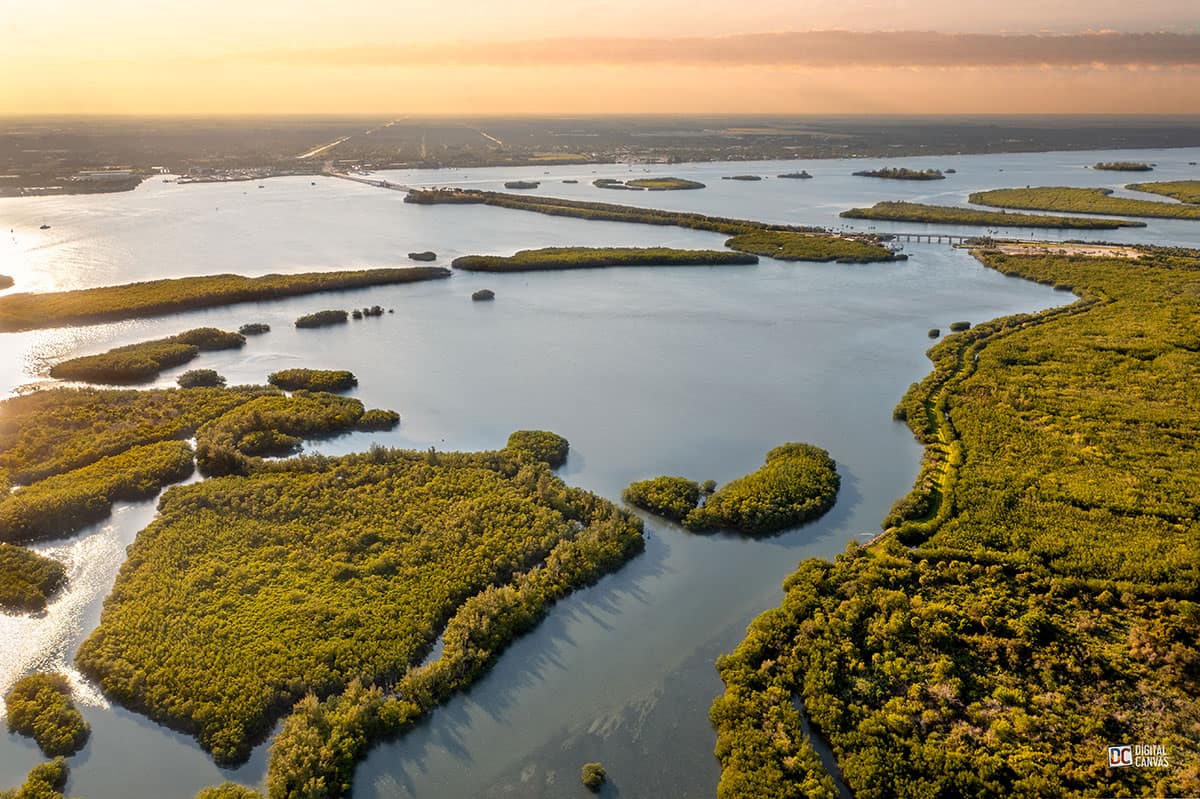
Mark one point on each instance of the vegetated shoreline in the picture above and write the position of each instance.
(1123, 166)
(901, 173)
(558, 258)
(591, 537)
(1186, 191)
(827, 246)
(786, 246)
(899, 211)
(581, 209)
(795, 651)
(28, 311)
(1082, 201)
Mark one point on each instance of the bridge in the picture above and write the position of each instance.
(931, 238)
(379, 184)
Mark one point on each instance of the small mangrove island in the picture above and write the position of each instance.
(742, 177)
(801, 175)
(6, 282)
(901, 173)
(549, 258)
(141, 362)
(157, 297)
(665, 184)
(425, 255)
(798, 483)
(786, 246)
(254, 329)
(892, 211)
(483, 295)
(313, 380)
(592, 775)
(39, 706)
(521, 184)
(1124, 166)
(323, 319)
(1080, 201)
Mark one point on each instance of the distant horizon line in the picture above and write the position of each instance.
(1098, 115)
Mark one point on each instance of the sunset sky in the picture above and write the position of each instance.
(586, 56)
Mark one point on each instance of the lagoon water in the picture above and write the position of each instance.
(694, 371)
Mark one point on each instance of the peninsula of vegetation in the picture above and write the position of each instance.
(141, 362)
(1038, 583)
(1187, 191)
(1080, 201)
(550, 258)
(73, 452)
(592, 210)
(313, 380)
(327, 608)
(901, 173)
(159, 297)
(1124, 166)
(820, 245)
(949, 215)
(40, 707)
(785, 246)
(798, 483)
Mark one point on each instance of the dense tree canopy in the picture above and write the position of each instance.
(313, 379)
(1082, 201)
(40, 706)
(785, 246)
(27, 579)
(249, 592)
(671, 497)
(1036, 599)
(798, 483)
(551, 258)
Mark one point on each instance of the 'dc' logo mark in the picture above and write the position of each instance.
(1119, 756)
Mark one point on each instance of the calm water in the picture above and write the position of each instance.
(646, 371)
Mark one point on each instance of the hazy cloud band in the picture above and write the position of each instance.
(802, 49)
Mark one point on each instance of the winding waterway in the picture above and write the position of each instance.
(695, 371)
